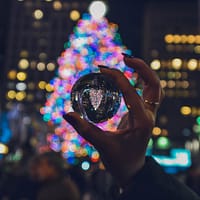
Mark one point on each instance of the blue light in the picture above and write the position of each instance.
(177, 158)
(85, 165)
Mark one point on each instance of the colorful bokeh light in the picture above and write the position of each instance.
(92, 43)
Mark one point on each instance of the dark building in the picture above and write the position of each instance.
(36, 34)
(171, 46)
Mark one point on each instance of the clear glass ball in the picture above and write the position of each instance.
(96, 97)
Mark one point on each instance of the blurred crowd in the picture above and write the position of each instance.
(30, 176)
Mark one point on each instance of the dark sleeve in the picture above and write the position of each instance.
(153, 183)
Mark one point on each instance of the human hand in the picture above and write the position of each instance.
(123, 151)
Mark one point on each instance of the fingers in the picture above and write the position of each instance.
(152, 91)
(132, 99)
(87, 130)
(144, 71)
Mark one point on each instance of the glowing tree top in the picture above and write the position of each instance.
(93, 42)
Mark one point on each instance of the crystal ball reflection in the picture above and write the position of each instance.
(95, 97)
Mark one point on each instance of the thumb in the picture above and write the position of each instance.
(87, 130)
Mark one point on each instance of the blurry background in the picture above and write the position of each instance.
(165, 33)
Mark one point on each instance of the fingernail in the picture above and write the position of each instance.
(102, 66)
(127, 56)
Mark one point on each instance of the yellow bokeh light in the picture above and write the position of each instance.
(171, 84)
(30, 97)
(194, 111)
(176, 63)
(51, 66)
(11, 94)
(12, 74)
(38, 14)
(191, 39)
(192, 64)
(49, 87)
(183, 38)
(3, 148)
(57, 5)
(20, 96)
(156, 131)
(185, 84)
(23, 64)
(41, 66)
(197, 39)
(23, 54)
(177, 39)
(163, 83)
(74, 15)
(42, 85)
(197, 49)
(178, 75)
(185, 110)
(169, 38)
(21, 76)
(171, 75)
(155, 64)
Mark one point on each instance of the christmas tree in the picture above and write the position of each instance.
(93, 42)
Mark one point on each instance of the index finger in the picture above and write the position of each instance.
(152, 91)
(144, 71)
